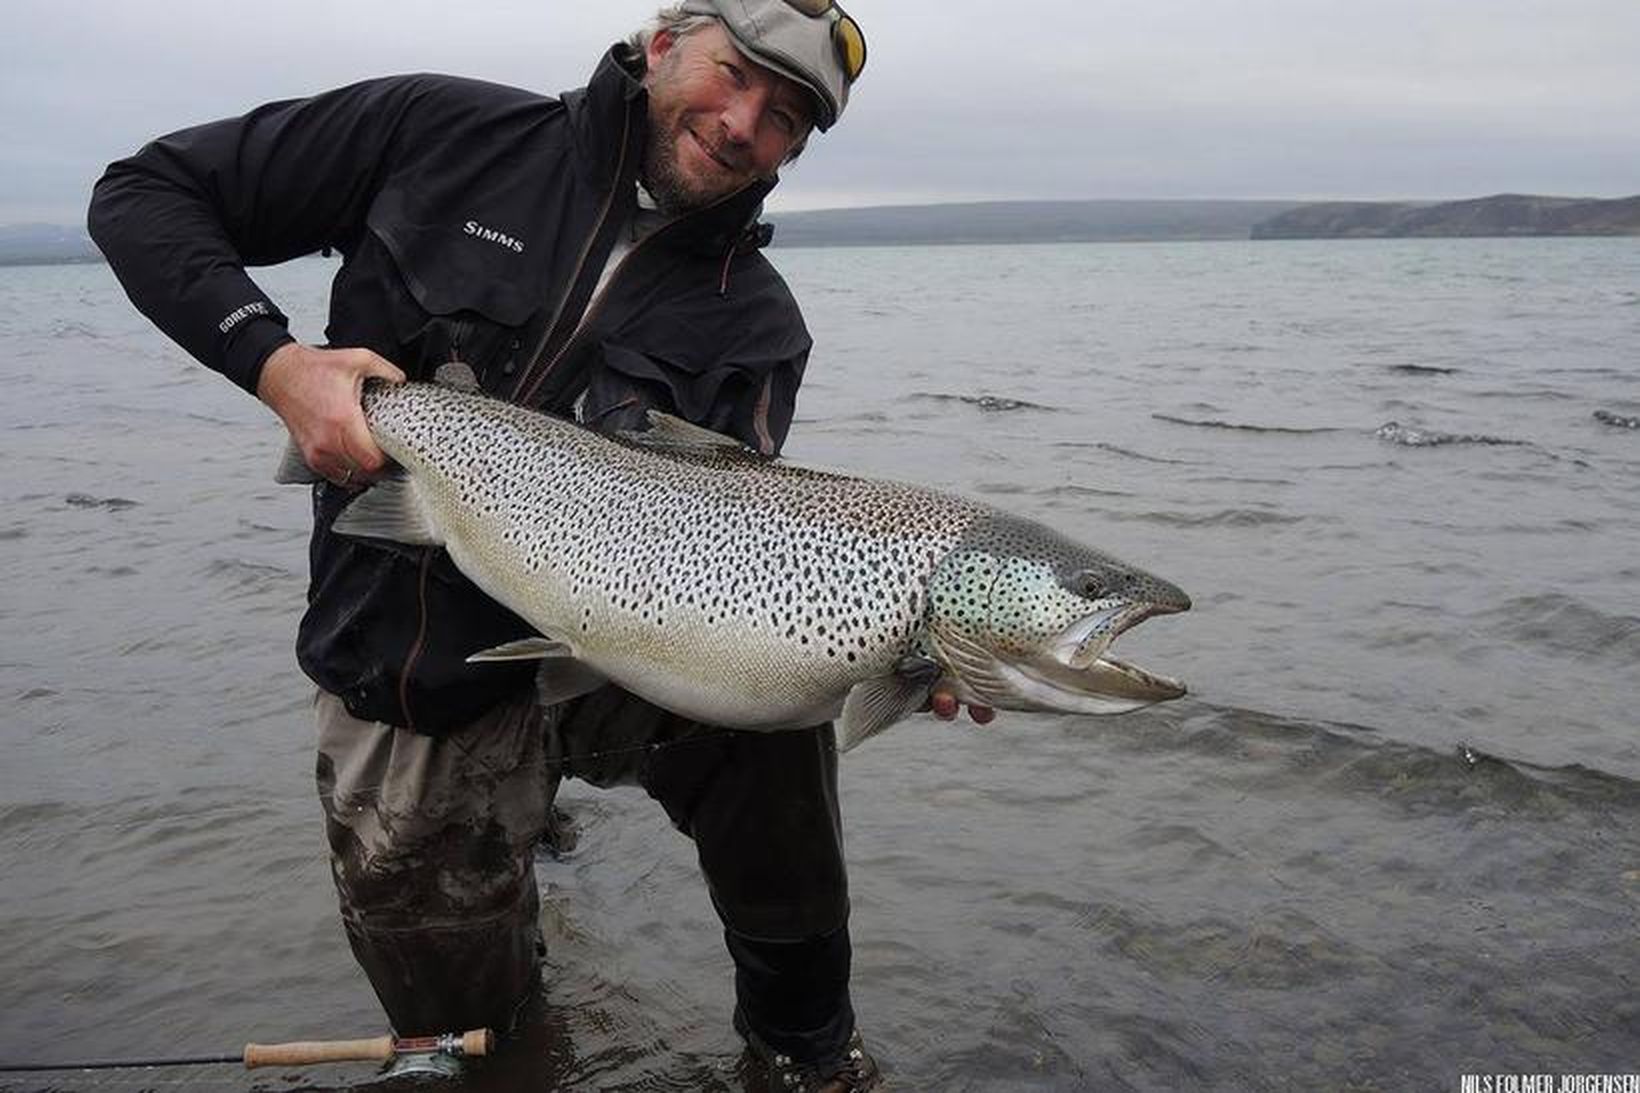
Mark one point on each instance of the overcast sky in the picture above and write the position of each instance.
(960, 100)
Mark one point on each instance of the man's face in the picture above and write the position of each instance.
(717, 121)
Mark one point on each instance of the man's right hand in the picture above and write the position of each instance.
(316, 394)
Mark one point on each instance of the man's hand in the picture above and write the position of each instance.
(945, 706)
(316, 394)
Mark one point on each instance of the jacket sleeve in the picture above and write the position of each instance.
(180, 220)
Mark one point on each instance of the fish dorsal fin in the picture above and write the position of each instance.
(674, 433)
(389, 510)
(457, 374)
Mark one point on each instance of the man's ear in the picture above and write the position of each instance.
(660, 44)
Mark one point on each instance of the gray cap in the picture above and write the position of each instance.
(780, 37)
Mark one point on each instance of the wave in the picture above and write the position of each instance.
(240, 570)
(1240, 427)
(1566, 624)
(1126, 453)
(1225, 518)
(991, 404)
(1410, 436)
(73, 330)
(1072, 489)
(1414, 777)
(1422, 370)
(113, 504)
(1621, 421)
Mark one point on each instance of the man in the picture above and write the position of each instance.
(595, 255)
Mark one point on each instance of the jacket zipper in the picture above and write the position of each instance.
(586, 317)
(530, 370)
(597, 303)
(546, 336)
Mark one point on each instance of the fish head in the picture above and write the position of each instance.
(1022, 618)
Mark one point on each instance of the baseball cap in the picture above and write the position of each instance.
(813, 42)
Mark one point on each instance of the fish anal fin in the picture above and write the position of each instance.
(531, 648)
(559, 678)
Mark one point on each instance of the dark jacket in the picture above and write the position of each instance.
(473, 220)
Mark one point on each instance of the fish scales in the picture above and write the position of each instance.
(750, 592)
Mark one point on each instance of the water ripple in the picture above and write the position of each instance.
(1241, 427)
(1621, 421)
(1409, 436)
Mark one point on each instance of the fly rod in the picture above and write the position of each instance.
(302, 1053)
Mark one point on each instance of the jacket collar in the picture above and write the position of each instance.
(614, 104)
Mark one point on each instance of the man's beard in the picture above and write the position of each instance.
(675, 191)
(662, 177)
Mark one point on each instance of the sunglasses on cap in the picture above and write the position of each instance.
(846, 37)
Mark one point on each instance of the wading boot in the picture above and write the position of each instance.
(769, 1071)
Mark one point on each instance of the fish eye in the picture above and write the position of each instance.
(1087, 584)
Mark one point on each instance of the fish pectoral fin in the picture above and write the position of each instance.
(873, 705)
(562, 679)
(388, 510)
(293, 469)
(667, 431)
(533, 648)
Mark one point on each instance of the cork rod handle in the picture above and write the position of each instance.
(307, 1052)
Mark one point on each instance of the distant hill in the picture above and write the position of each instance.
(1023, 222)
(43, 244)
(1501, 214)
(1089, 222)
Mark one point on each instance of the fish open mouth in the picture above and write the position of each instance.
(1082, 675)
(1108, 685)
(1118, 678)
(1074, 674)
(1084, 642)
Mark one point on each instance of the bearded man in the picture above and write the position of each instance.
(598, 255)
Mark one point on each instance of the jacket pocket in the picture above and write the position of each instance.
(439, 291)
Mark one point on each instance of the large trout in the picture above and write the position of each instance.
(745, 591)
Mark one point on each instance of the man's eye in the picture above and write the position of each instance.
(734, 73)
(785, 122)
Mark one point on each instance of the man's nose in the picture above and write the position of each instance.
(740, 116)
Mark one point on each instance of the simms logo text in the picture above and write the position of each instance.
(473, 227)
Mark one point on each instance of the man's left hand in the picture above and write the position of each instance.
(945, 706)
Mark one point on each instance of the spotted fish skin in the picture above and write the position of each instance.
(727, 587)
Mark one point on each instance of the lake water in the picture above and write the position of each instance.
(1392, 837)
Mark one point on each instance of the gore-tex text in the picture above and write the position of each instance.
(240, 314)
